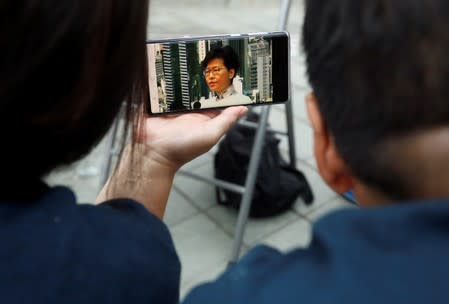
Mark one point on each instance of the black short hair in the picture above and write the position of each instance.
(380, 70)
(227, 53)
(66, 69)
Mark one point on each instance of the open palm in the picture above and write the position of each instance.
(176, 140)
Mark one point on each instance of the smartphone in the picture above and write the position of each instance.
(196, 73)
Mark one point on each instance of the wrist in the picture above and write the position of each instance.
(141, 176)
(155, 161)
(140, 161)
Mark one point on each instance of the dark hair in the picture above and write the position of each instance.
(227, 53)
(66, 67)
(380, 70)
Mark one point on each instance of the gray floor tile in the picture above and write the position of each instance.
(209, 275)
(299, 103)
(298, 75)
(212, 21)
(277, 119)
(295, 47)
(86, 191)
(303, 140)
(201, 245)
(296, 234)
(80, 178)
(84, 176)
(312, 162)
(303, 133)
(61, 176)
(333, 205)
(256, 229)
(201, 194)
(178, 209)
(198, 162)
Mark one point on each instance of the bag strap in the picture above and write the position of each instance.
(221, 197)
(306, 191)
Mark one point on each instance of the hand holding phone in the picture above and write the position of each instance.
(177, 139)
(190, 74)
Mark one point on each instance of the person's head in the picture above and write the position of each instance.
(66, 67)
(220, 67)
(379, 70)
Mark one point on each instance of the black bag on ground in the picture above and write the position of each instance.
(277, 185)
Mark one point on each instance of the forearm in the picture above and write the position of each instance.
(141, 178)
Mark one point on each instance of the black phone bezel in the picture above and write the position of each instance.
(281, 78)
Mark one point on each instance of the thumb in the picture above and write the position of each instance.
(224, 121)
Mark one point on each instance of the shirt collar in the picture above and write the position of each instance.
(228, 92)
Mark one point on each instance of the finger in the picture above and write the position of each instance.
(221, 123)
(211, 113)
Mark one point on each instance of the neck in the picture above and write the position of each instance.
(421, 160)
(370, 197)
(228, 91)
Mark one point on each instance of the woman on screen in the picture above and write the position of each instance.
(219, 69)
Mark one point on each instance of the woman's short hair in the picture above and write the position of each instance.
(66, 68)
(227, 53)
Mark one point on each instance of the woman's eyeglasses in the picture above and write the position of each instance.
(213, 71)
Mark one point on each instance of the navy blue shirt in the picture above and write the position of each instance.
(398, 254)
(55, 251)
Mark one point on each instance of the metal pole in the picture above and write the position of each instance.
(256, 155)
(249, 185)
(283, 18)
(285, 8)
(291, 134)
(216, 182)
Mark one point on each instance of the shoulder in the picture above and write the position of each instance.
(130, 223)
(236, 99)
(126, 213)
(231, 100)
(116, 251)
(209, 103)
(138, 247)
(351, 252)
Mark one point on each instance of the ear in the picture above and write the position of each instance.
(231, 73)
(331, 166)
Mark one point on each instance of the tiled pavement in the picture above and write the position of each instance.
(201, 229)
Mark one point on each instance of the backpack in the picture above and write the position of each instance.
(277, 185)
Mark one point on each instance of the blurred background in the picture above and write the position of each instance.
(202, 230)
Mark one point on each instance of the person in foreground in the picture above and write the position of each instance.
(380, 115)
(65, 69)
(220, 67)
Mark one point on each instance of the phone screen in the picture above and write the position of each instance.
(214, 72)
